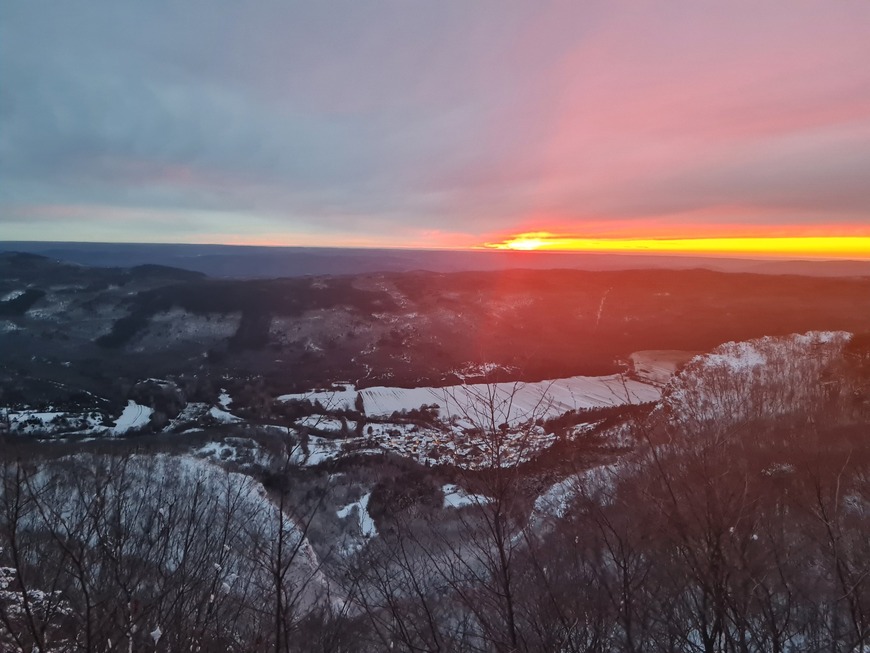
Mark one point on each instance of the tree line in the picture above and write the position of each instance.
(739, 531)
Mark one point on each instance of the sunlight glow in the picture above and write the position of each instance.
(801, 246)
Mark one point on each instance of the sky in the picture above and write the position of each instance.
(527, 125)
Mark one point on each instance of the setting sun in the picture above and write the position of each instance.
(800, 246)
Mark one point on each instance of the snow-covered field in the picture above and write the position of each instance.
(134, 417)
(506, 402)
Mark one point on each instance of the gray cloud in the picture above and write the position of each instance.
(385, 120)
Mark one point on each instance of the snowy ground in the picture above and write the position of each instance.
(366, 523)
(449, 445)
(325, 423)
(456, 497)
(28, 422)
(224, 400)
(596, 483)
(134, 417)
(15, 294)
(507, 402)
(477, 425)
(196, 412)
(241, 451)
(191, 413)
(367, 528)
(463, 412)
(753, 379)
(320, 450)
(223, 416)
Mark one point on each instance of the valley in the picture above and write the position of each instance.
(369, 446)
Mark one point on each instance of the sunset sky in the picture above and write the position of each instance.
(715, 127)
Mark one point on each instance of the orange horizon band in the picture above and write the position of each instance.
(816, 246)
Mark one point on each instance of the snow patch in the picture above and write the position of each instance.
(319, 450)
(241, 451)
(597, 483)
(456, 497)
(223, 416)
(134, 417)
(10, 296)
(325, 423)
(366, 523)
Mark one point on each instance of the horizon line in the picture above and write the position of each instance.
(488, 248)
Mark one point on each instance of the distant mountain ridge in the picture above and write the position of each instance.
(259, 262)
(65, 325)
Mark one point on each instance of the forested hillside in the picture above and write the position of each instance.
(734, 518)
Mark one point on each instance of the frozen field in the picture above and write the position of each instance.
(505, 402)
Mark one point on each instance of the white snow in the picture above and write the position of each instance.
(29, 422)
(134, 417)
(481, 370)
(223, 416)
(161, 382)
(510, 402)
(598, 483)
(778, 469)
(456, 497)
(388, 432)
(320, 450)
(33, 421)
(224, 400)
(821, 337)
(15, 294)
(740, 357)
(324, 423)
(242, 451)
(191, 412)
(366, 523)
(211, 450)
(162, 480)
(758, 378)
